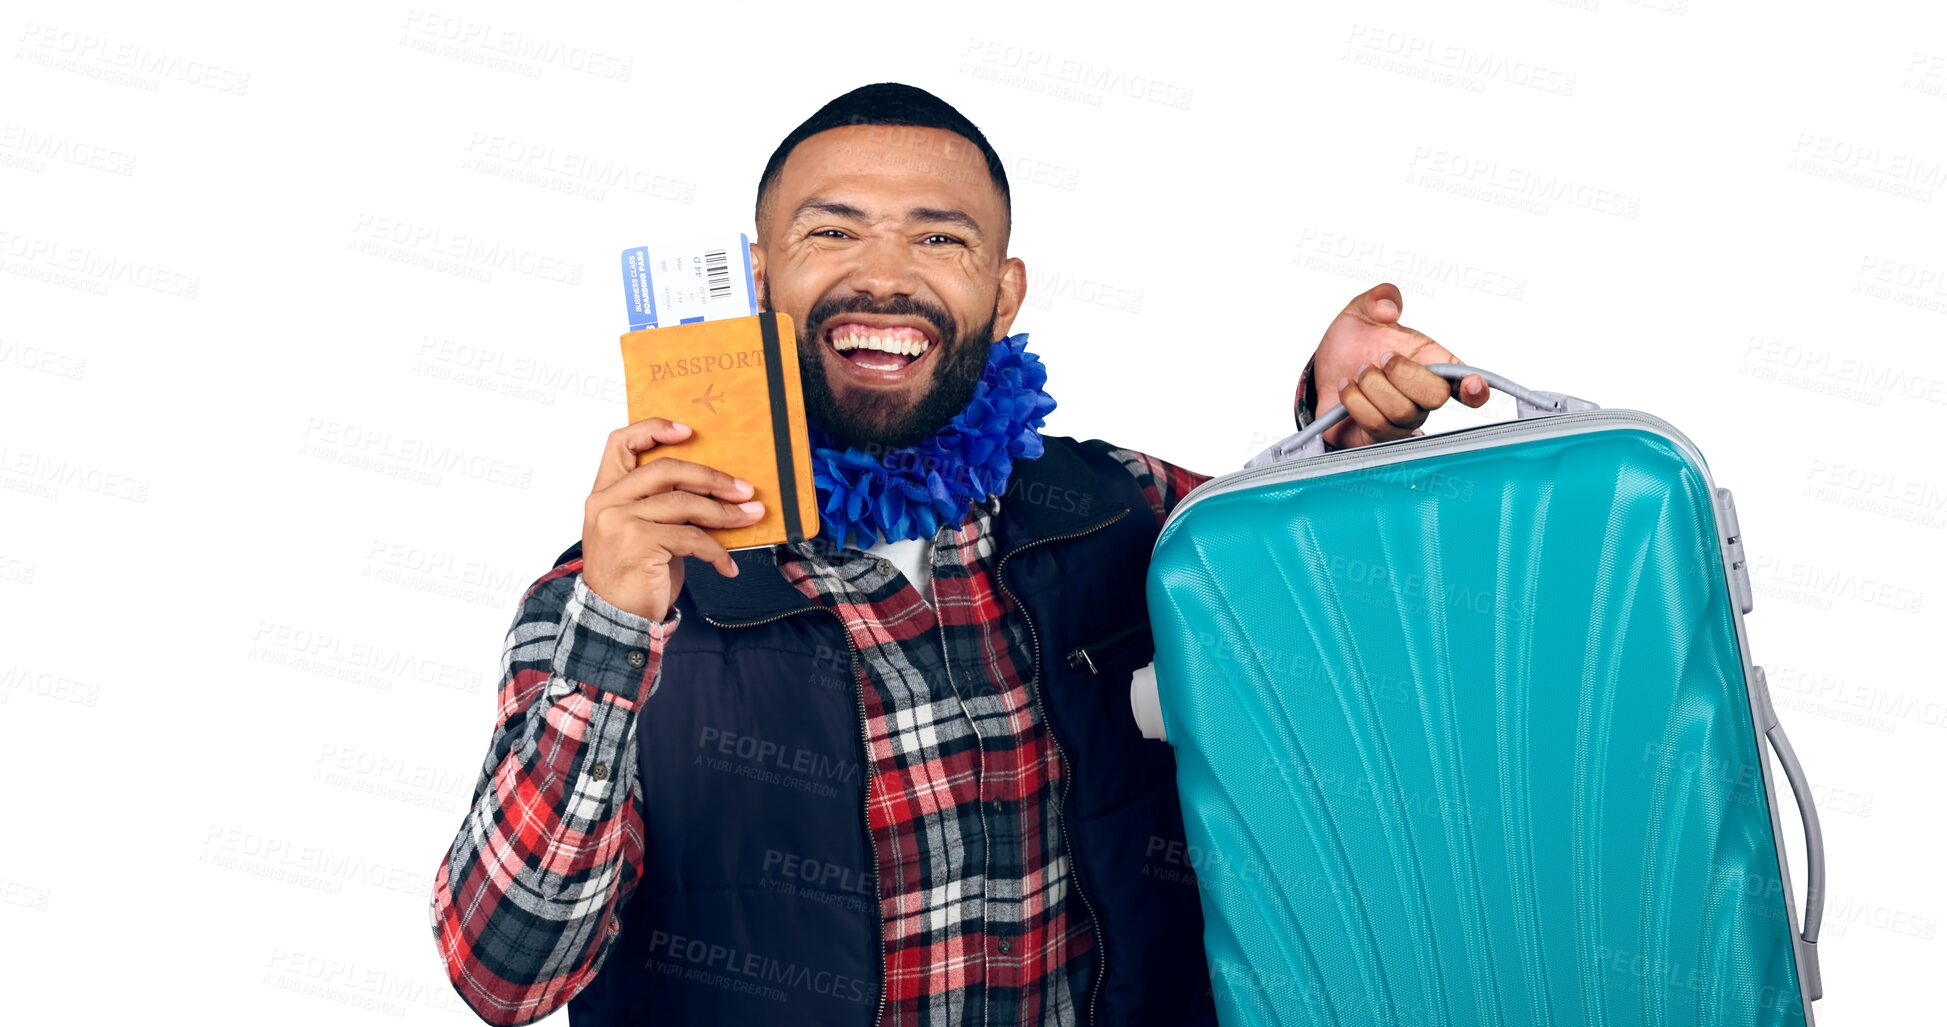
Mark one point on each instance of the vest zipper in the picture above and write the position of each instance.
(865, 752)
(1079, 657)
(1067, 777)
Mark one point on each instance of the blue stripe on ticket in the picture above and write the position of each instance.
(635, 282)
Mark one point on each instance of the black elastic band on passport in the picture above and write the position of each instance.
(787, 471)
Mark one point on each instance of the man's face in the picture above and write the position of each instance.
(887, 246)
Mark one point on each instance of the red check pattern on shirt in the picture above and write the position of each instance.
(977, 903)
(981, 919)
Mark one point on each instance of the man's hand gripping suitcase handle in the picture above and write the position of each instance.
(1528, 403)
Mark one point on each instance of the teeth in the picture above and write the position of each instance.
(908, 347)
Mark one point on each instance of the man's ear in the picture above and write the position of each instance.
(1014, 288)
(757, 275)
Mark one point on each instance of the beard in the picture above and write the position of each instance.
(872, 420)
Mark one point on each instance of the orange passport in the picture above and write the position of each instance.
(735, 383)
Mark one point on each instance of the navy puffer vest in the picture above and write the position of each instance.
(758, 900)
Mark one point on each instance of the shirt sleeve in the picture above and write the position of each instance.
(525, 902)
(1162, 482)
(1304, 403)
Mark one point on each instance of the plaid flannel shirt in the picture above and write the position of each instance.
(976, 897)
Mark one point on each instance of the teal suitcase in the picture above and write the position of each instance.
(1467, 733)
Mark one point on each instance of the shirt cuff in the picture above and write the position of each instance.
(611, 648)
(1305, 411)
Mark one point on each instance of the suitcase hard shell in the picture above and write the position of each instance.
(1467, 733)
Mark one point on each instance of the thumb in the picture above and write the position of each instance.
(1380, 304)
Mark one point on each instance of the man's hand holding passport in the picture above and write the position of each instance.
(716, 456)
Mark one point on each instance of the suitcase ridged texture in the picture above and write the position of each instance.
(1465, 739)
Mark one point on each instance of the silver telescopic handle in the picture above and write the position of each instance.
(1527, 403)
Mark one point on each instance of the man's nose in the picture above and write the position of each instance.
(884, 269)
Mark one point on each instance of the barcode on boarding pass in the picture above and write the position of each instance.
(680, 282)
(716, 271)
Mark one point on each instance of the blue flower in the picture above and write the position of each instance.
(909, 492)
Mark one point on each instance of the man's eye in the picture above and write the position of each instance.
(938, 235)
(836, 233)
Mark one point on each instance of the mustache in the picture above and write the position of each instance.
(899, 306)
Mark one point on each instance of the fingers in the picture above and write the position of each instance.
(679, 520)
(1362, 413)
(619, 454)
(1389, 399)
(1392, 399)
(1384, 398)
(694, 541)
(1411, 382)
(667, 473)
(685, 516)
(1473, 388)
(690, 508)
(1380, 304)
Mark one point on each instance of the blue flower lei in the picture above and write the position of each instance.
(909, 492)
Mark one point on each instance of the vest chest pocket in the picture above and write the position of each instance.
(1115, 653)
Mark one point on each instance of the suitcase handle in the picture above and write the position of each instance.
(1808, 814)
(1527, 403)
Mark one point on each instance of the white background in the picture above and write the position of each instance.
(270, 496)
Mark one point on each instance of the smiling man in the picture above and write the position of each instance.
(890, 774)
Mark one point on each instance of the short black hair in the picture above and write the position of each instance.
(884, 103)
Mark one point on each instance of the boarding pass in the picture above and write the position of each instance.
(685, 281)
